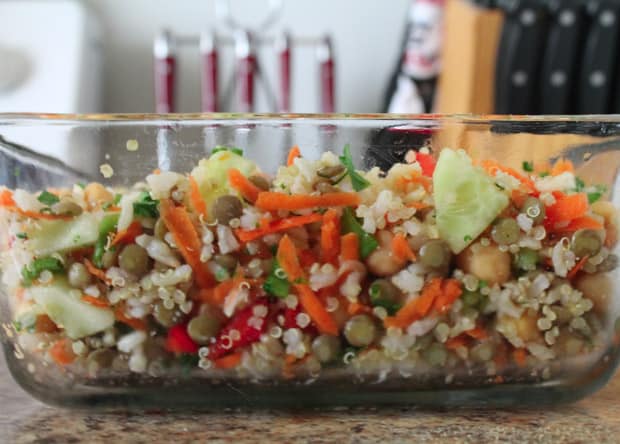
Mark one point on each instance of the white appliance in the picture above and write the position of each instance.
(50, 62)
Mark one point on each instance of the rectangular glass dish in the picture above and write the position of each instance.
(391, 260)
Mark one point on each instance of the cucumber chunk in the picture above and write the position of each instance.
(466, 199)
(52, 236)
(64, 306)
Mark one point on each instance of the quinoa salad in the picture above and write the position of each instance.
(441, 264)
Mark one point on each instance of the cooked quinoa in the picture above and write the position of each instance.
(439, 263)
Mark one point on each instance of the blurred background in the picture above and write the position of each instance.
(412, 56)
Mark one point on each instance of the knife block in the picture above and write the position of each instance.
(471, 40)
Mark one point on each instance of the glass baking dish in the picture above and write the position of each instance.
(560, 344)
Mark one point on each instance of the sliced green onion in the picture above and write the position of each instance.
(350, 224)
(357, 180)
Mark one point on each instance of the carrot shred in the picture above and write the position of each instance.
(239, 182)
(456, 342)
(330, 236)
(493, 167)
(567, 207)
(350, 247)
(578, 266)
(135, 323)
(6, 198)
(401, 249)
(179, 223)
(277, 226)
(289, 261)
(272, 201)
(582, 223)
(228, 361)
(156, 171)
(96, 302)
(61, 352)
(450, 292)
(562, 166)
(356, 308)
(416, 308)
(97, 272)
(222, 290)
(315, 309)
(128, 235)
(477, 333)
(199, 204)
(519, 355)
(414, 177)
(293, 154)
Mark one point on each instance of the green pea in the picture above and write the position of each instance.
(586, 243)
(360, 330)
(203, 327)
(505, 231)
(384, 293)
(527, 259)
(108, 259)
(164, 316)
(326, 348)
(471, 298)
(534, 209)
(78, 275)
(134, 259)
(226, 261)
(435, 254)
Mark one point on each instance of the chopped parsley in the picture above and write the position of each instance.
(32, 271)
(221, 275)
(117, 198)
(145, 206)
(579, 184)
(598, 192)
(544, 174)
(21, 236)
(82, 185)
(275, 284)
(482, 284)
(499, 186)
(528, 166)
(48, 198)
(467, 238)
(357, 180)
(350, 224)
(232, 149)
(378, 299)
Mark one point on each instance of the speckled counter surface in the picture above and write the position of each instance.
(594, 420)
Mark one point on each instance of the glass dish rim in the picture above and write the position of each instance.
(153, 118)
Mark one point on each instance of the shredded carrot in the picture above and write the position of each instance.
(289, 259)
(477, 333)
(519, 355)
(135, 323)
(401, 249)
(179, 223)
(578, 266)
(272, 201)
(156, 171)
(493, 167)
(128, 235)
(456, 342)
(350, 247)
(416, 308)
(450, 292)
(6, 198)
(61, 352)
(223, 289)
(239, 182)
(277, 226)
(356, 308)
(562, 166)
(567, 207)
(95, 301)
(518, 197)
(330, 236)
(315, 309)
(97, 272)
(414, 177)
(293, 154)
(582, 223)
(199, 204)
(228, 361)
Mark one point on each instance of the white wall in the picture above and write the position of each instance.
(367, 36)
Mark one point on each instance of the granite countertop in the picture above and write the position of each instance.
(593, 420)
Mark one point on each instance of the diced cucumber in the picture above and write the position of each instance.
(212, 174)
(466, 199)
(65, 307)
(51, 236)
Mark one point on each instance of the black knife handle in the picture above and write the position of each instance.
(559, 68)
(599, 58)
(520, 51)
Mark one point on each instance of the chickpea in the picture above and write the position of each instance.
(96, 194)
(486, 263)
(381, 262)
(598, 288)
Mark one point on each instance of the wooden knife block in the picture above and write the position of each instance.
(471, 39)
